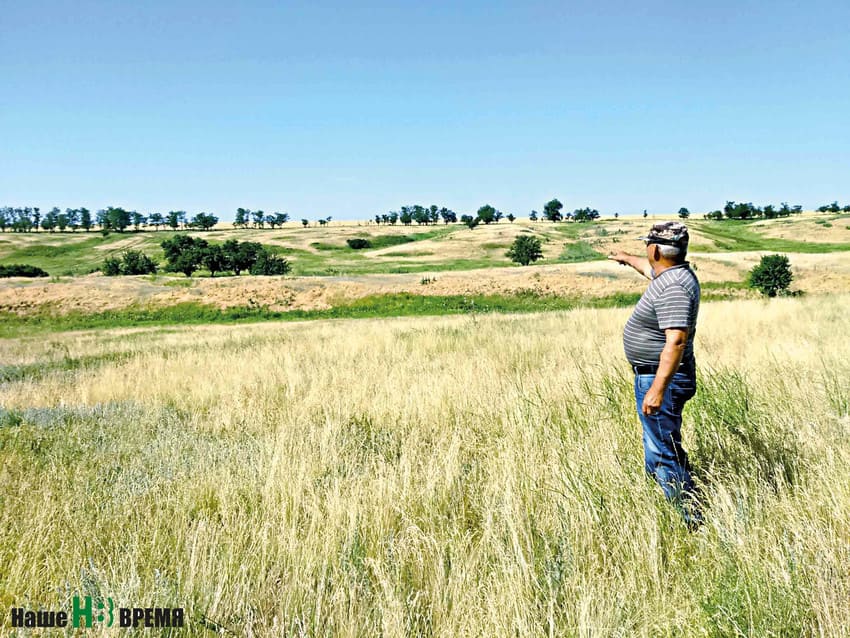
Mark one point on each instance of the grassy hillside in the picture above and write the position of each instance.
(399, 249)
(455, 476)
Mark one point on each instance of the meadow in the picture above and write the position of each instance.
(469, 475)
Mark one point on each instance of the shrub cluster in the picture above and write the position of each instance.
(358, 243)
(131, 262)
(22, 270)
(187, 254)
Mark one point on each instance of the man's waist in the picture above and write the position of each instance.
(686, 367)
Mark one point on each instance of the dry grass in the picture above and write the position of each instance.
(475, 475)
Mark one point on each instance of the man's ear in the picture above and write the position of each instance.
(656, 252)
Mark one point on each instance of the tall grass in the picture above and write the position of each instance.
(474, 475)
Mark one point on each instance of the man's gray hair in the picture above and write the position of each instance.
(674, 253)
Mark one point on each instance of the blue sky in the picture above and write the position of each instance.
(351, 109)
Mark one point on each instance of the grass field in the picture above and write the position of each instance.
(476, 475)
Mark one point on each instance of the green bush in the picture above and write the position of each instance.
(22, 270)
(268, 264)
(132, 262)
(525, 250)
(772, 275)
(358, 243)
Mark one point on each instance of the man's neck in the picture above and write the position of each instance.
(660, 266)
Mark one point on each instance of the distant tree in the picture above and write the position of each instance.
(511, 217)
(716, 215)
(132, 262)
(4, 219)
(616, 215)
(358, 243)
(117, 218)
(449, 216)
(240, 255)
(305, 222)
(393, 217)
(533, 216)
(281, 218)
(434, 213)
(470, 221)
(322, 222)
(644, 214)
(204, 221)
(846, 209)
(138, 220)
(585, 214)
(173, 218)
(184, 253)
(241, 218)
(268, 264)
(406, 217)
(36, 217)
(525, 250)
(271, 220)
(772, 275)
(259, 218)
(213, 258)
(487, 214)
(552, 210)
(684, 213)
(62, 222)
(51, 220)
(156, 220)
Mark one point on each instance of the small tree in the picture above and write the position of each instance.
(772, 275)
(684, 213)
(268, 264)
(358, 243)
(511, 217)
(214, 259)
(525, 249)
(470, 221)
(135, 262)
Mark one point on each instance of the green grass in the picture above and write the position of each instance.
(578, 252)
(736, 236)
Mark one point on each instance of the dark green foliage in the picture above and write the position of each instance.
(470, 221)
(552, 210)
(772, 275)
(684, 213)
(204, 221)
(525, 250)
(358, 243)
(21, 270)
(184, 253)
(584, 214)
(132, 262)
(268, 264)
(214, 259)
(111, 267)
(241, 255)
(487, 214)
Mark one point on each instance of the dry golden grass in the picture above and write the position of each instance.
(457, 476)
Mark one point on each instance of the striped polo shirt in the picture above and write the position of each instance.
(671, 301)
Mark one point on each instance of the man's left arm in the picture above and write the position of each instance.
(671, 357)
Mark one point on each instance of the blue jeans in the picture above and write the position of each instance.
(664, 458)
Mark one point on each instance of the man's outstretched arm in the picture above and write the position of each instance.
(638, 263)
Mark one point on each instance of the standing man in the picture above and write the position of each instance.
(659, 344)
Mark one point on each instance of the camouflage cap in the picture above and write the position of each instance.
(668, 233)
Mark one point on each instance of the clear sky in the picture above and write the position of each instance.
(355, 108)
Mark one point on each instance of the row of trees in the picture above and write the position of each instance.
(834, 208)
(741, 210)
(113, 218)
(186, 254)
(552, 211)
